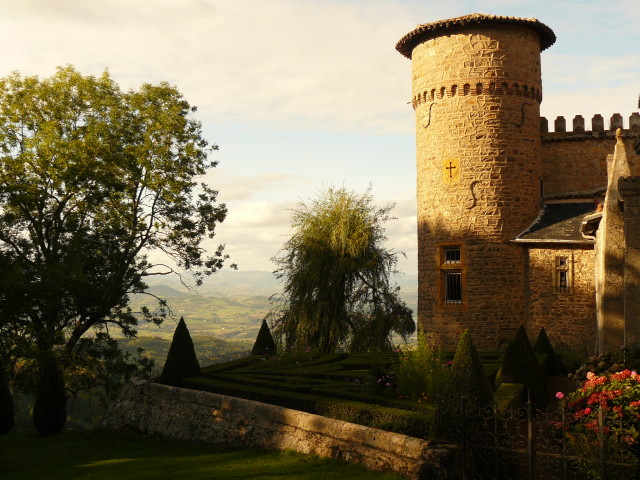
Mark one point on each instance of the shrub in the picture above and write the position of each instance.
(421, 371)
(181, 360)
(617, 395)
(606, 363)
(521, 366)
(264, 341)
(467, 376)
(50, 408)
(6, 407)
(543, 345)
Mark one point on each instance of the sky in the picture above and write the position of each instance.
(301, 95)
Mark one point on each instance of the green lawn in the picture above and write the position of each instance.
(108, 456)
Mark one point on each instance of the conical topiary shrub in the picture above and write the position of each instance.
(50, 408)
(6, 407)
(264, 341)
(521, 366)
(181, 360)
(467, 377)
(543, 345)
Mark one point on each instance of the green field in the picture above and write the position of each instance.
(236, 318)
(107, 456)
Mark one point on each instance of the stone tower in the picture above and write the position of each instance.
(476, 94)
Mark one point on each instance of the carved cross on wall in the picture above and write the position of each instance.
(451, 168)
(451, 171)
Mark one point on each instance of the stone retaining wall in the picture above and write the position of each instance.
(182, 414)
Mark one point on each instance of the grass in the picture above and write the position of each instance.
(105, 456)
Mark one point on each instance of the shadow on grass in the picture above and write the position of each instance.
(108, 456)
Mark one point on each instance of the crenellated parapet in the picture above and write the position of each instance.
(438, 92)
(579, 127)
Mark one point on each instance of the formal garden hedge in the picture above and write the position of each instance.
(356, 387)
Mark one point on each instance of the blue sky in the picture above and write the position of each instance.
(304, 94)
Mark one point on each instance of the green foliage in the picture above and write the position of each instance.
(466, 378)
(421, 371)
(6, 406)
(543, 345)
(49, 410)
(264, 342)
(521, 366)
(99, 364)
(91, 178)
(607, 363)
(337, 293)
(509, 396)
(181, 360)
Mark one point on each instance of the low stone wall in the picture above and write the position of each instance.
(181, 414)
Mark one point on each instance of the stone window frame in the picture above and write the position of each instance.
(562, 279)
(443, 268)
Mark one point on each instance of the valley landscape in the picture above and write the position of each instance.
(223, 315)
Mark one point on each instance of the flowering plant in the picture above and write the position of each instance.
(617, 397)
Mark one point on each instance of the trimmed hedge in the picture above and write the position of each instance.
(181, 360)
(543, 345)
(467, 376)
(392, 419)
(520, 365)
(264, 344)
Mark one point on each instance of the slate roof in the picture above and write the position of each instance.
(559, 223)
(442, 27)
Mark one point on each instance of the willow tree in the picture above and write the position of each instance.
(336, 272)
(93, 179)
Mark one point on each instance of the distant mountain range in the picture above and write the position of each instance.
(250, 282)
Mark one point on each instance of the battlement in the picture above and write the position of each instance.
(597, 125)
(435, 92)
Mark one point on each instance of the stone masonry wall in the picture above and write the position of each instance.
(568, 318)
(476, 95)
(189, 415)
(577, 162)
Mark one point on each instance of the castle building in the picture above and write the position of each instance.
(518, 224)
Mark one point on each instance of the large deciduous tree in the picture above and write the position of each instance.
(336, 272)
(92, 179)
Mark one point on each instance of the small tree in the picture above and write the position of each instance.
(50, 409)
(6, 406)
(337, 292)
(264, 341)
(181, 360)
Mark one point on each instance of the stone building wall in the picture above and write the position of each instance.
(569, 317)
(189, 415)
(476, 97)
(576, 161)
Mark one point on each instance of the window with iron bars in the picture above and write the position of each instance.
(452, 275)
(562, 275)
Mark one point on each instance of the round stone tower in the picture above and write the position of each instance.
(476, 93)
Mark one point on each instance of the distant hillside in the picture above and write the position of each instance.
(209, 350)
(230, 305)
(253, 282)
